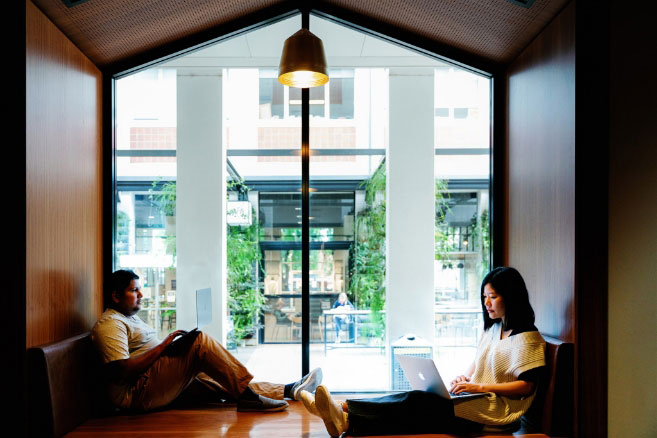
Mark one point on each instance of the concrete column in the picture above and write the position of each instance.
(410, 205)
(201, 198)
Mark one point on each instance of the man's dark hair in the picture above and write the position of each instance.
(118, 282)
(509, 284)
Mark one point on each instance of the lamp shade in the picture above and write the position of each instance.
(303, 64)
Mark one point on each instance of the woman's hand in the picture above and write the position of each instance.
(460, 387)
(519, 388)
(459, 379)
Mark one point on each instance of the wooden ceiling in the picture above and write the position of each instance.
(110, 32)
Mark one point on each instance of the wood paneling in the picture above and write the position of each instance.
(632, 232)
(541, 174)
(63, 185)
(110, 32)
(557, 202)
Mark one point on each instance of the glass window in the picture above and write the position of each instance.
(460, 113)
(317, 101)
(331, 216)
(354, 118)
(341, 92)
(271, 95)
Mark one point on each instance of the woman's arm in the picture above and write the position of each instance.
(519, 388)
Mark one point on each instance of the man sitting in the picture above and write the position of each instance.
(143, 374)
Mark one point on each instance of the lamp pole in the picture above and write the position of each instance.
(305, 217)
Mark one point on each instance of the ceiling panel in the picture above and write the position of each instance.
(494, 29)
(111, 31)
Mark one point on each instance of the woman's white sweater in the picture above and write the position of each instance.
(501, 361)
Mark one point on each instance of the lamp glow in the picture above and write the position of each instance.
(303, 63)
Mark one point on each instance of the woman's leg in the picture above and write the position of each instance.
(411, 412)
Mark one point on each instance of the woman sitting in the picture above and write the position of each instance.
(509, 361)
(342, 303)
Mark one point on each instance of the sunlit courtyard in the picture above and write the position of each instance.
(368, 369)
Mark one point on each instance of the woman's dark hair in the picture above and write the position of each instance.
(118, 282)
(508, 283)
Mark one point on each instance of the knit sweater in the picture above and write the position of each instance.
(501, 361)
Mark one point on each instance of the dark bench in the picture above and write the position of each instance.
(65, 386)
(66, 389)
(552, 410)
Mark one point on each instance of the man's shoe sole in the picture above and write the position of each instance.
(263, 405)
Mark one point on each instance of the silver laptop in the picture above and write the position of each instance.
(203, 318)
(423, 375)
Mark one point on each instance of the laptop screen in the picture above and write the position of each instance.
(203, 307)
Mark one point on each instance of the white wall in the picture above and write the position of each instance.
(410, 205)
(201, 200)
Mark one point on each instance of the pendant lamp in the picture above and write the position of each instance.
(303, 63)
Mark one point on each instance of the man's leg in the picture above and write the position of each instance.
(170, 375)
(269, 390)
(274, 391)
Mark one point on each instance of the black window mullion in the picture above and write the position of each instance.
(305, 219)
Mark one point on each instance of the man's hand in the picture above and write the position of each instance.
(128, 369)
(171, 337)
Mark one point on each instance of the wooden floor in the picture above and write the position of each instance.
(215, 421)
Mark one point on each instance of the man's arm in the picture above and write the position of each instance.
(128, 369)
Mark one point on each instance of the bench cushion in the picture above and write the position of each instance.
(552, 410)
(65, 388)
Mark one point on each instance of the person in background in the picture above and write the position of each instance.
(508, 365)
(143, 373)
(342, 303)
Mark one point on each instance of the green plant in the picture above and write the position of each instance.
(367, 284)
(245, 300)
(481, 234)
(122, 232)
(164, 197)
(442, 244)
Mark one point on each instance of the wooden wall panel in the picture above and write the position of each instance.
(63, 185)
(632, 232)
(541, 173)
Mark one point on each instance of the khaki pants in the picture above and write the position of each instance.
(206, 360)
